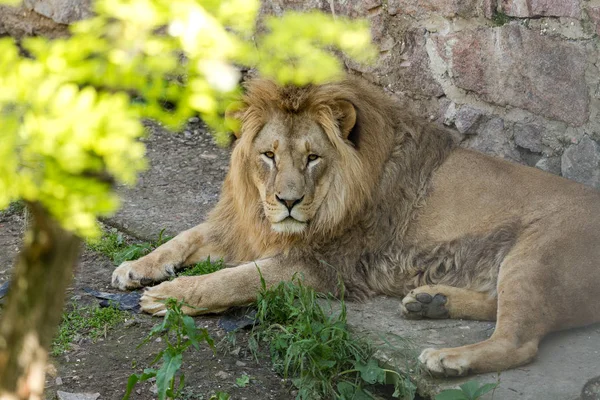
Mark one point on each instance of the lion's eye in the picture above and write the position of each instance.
(269, 154)
(312, 157)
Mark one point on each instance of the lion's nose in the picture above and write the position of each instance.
(289, 203)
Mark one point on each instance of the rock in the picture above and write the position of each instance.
(581, 162)
(76, 396)
(591, 390)
(222, 375)
(594, 14)
(450, 114)
(19, 22)
(550, 164)
(194, 120)
(528, 137)
(512, 65)
(466, 118)
(445, 8)
(541, 8)
(240, 363)
(61, 11)
(491, 138)
(413, 73)
(58, 381)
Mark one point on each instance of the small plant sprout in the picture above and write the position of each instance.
(178, 331)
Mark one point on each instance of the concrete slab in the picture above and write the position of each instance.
(566, 361)
(183, 183)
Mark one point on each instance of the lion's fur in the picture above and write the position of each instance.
(407, 213)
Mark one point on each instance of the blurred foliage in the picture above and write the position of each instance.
(70, 108)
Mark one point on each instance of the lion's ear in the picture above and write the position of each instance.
(233, 117)
(346, 117)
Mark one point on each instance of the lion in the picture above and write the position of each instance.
(337, 180)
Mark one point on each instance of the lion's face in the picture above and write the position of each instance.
(292, 160)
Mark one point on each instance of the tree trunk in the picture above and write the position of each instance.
(43, 271)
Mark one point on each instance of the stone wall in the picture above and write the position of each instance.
(515, 78)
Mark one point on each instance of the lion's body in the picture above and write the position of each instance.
(337, 180)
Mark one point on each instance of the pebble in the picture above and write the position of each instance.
(58, 381)
(222, 375)
(76, 396)
(240, 363)
(194, 120)
(154, 389)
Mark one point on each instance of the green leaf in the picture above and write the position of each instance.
(451, 394)
(135, 378)
(345, 390)
(469, 389)
(242, 381)
(191, 331)
(371, 372)
(220, 396)
(484, 389)
(166, 373)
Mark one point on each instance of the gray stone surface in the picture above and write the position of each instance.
(515, 66)
(180, 187)
(581, 162)
(19, 21)
(467, 119)
(539, 8)
(528, 137)
(61, 11)
(566, 360)
(550, 164)
(77, 396)
(492, 138)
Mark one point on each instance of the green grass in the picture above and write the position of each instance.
(499, 19)
(90, 322)
(113, 245)
(315, 349)
(203, 268)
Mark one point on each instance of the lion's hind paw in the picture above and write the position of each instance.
(418, 304)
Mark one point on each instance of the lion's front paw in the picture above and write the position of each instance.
(194, 291)
(444, 362)
(135, 274)
(418, 304)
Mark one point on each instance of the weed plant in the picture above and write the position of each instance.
(315, 348)
(471, 390)
(113, 245)
(178, 331)
(202, 268)
(91, 322)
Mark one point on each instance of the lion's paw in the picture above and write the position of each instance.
(135, 274)
(418, 304)
(189, 289)
(444, 362)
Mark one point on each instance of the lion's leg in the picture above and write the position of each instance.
(229, 287)
(187, 247)
(441, 301)
(526, 313)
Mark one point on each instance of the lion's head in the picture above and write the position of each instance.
(302, 162)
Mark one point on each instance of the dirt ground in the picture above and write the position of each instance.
(104, 366)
